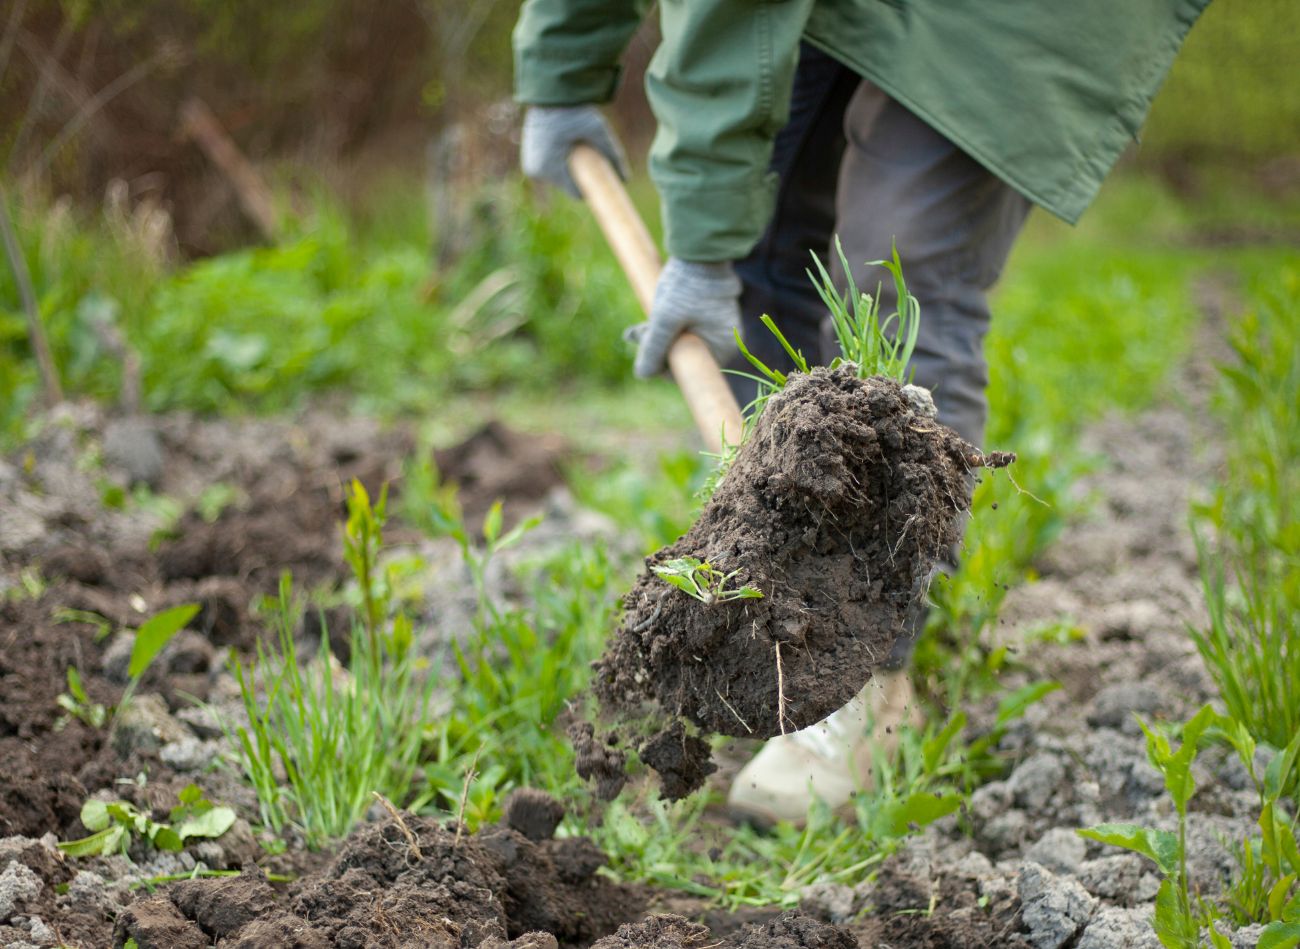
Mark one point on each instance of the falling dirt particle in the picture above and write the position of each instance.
(533, 813)
(836, 508)
(598, 761)
(682, 760)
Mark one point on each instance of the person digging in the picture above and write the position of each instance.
(929, 126)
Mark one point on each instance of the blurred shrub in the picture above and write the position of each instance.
(535, 302)
(1232, 92)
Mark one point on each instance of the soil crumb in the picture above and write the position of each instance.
(787, 931)
(598, 760)
(683, 761)
(410, 884)
(836, 509)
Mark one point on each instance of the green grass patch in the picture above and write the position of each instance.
(1249, 541)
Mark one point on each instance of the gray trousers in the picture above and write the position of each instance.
(855, 163)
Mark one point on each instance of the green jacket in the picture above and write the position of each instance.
(1044, 93)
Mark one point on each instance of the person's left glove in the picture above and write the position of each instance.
(549, 135)
(701, 298)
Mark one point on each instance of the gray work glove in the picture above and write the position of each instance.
(702, 298)
(550, 132)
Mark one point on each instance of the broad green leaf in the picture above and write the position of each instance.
(1160, 845)
(94, 814)
(154, 633)
(164, 838)
(190, 795)
(920, 809)
(1283, 935)
(212, 823)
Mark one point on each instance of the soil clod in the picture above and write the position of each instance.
(836, 509)
(683, 761)
(533, 813)
(598, 761)
(381, 891)
(787, 931)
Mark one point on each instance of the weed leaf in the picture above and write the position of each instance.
(1175, 928)
(94, 814)
(101, 843)
(917, 810)
(1160, 845)
(1277, 901)
(155, 633)
(210, 823)
(164, 838)
(1281, 935)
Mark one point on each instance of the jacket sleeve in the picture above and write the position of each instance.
(567, 51)
(719, 86)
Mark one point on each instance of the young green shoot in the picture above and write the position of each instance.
(321, 740)
(115, 824)
(77, 704)
(704, 582)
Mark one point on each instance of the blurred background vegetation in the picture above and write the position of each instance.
(397, 254)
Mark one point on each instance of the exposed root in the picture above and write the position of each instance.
(780, 689)
(733, 711)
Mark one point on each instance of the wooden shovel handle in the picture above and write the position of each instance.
(692, 364)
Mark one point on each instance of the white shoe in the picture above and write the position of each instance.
(828, 761)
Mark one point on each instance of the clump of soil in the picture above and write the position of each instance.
(836, 508)
(787, 931)
(408, 882)
(681, 760)
(599, 761)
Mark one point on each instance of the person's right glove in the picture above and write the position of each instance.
(551, 132)
(701, 298)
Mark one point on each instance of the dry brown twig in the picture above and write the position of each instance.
(470, 775)
(401, 825)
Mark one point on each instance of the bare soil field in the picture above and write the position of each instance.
(1008, 871)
